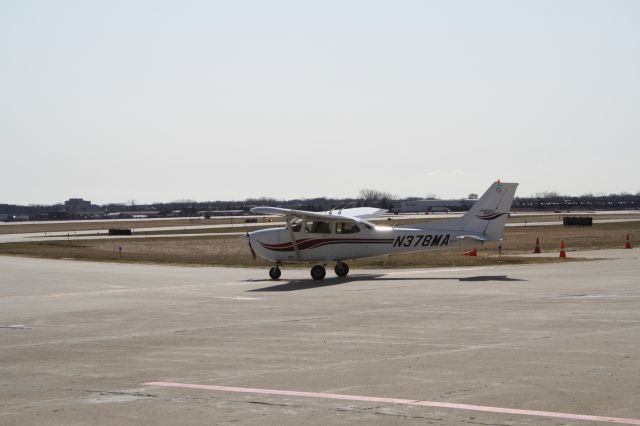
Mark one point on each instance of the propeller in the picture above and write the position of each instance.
(253, 253)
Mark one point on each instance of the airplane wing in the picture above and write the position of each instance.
(361, 212)
(333, 216)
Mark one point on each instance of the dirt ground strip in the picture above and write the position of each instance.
(103, 225)
(233, 251)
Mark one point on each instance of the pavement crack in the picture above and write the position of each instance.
(89, 391)
(407, 417)
(272, 404)
(471, 422)
(458, 391)
(136, 394)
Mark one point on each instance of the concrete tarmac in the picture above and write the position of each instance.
(81, 342)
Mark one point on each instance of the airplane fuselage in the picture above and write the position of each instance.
(276, 245)
(339, 235)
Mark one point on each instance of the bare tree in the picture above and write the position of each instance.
(375, 198)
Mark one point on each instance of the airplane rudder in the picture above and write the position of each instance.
(489, 214)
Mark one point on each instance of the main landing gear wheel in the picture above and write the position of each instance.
(342, 269)
(318, 272)
(275, 273)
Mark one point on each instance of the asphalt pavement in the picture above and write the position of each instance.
(108, 343)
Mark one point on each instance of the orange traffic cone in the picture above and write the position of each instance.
(562, 247)
(472, 252)
(628, 245)
(537, 249)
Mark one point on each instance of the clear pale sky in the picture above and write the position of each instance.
(205, 100)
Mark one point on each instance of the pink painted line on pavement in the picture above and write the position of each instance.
(450, 405)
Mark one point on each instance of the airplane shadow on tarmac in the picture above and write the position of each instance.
(307, 284)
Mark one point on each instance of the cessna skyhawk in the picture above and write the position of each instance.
(340, 235)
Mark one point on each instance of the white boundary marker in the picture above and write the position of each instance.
(450, 405)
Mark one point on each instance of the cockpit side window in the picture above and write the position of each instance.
(346, 228)
(318, 227)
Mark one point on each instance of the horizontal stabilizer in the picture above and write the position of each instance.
(486, 219)
(473, 237)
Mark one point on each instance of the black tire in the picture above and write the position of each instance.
(318, 272)
(275, 273)
(342, 269)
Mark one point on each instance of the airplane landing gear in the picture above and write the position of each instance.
(318, 272)
(342, 269)
(275, 273)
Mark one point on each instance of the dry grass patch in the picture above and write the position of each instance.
(104, 225)
(233, 251)
(208, 251)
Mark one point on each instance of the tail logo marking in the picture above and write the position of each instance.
(488, 214)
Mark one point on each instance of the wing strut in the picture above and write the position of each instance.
(293, 238)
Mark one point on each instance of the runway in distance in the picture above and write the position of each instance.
(341, 235)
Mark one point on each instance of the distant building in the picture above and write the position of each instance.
(78, 205)
(59, 215)
(13, 217)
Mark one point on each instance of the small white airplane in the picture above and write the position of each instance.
(340, 235)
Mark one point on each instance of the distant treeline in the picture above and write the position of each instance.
(541, 202)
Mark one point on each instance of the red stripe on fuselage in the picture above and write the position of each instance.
(311, 243)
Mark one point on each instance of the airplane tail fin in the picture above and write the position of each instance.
(488, 215)
(485, 220)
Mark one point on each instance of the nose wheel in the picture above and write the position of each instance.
(275, 273)
(342, 269)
